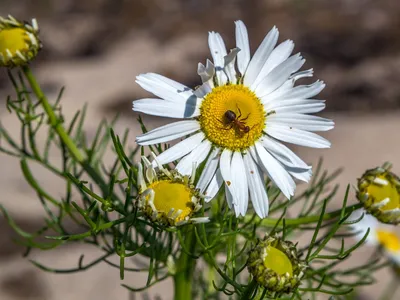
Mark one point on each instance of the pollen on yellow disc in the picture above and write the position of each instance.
(13, 39)
(389, 240)
(168, 194)
(277, 261)
(381, 191)
(248, 110)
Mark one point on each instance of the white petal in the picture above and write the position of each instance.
(168, 132)
(218, 51)
(229, 200)
(287, 86)
(229, 65)
(242, 42)
(164, 87)
(214, 186)
(174, 84)
(181, 149)
(278, 56)
(300, 121)
(292, 163)
(303, 106)
(283, 154)
(198, 155)
(202, 91)
(206, 72)
(302, 74)
(278, 75)
(226, 172)
(257, 189)
(209, 170)
(261, 56)
(140, 179)
(150, 173)
(368, 221)
(163, 108)
(305, 91)
(276, 172)
(298, 92)
(300, 175)
(277, 95)
(297, 136)
(239, 182)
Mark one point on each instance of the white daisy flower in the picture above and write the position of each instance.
(237, 118)
(380, 234)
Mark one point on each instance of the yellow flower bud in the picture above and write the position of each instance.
(19, 42)
(274, 264)
(379, 191)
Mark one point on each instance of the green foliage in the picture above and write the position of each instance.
(101, 200)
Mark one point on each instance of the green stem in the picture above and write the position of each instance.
(185, 267)
(248, 292)
(271, 222)
(53, 120)
(64, 136)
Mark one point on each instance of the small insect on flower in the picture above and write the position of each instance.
(236, 121)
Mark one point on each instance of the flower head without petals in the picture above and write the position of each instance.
(238, 118)
(274, 264)
(166, 196)
(19, 42)
(379, 191)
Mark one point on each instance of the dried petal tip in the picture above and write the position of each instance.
(274, 265)
(19, 42)
(167, 197)
(379, 191)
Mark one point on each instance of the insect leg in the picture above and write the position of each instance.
(240, 113)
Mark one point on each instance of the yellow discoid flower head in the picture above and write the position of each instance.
(167, 197)
(274, 265)
(232, 117)
(19, 42)
(379, 191)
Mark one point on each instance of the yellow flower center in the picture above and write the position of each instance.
(277, 261)
(13, 39)
(388, 240)
(232, 117)
(172, 195)
(382, 189)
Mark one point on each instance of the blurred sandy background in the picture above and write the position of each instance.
(96, 48)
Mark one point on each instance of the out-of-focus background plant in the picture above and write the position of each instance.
(97, 47)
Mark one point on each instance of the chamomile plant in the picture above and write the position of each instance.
(181, 212)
